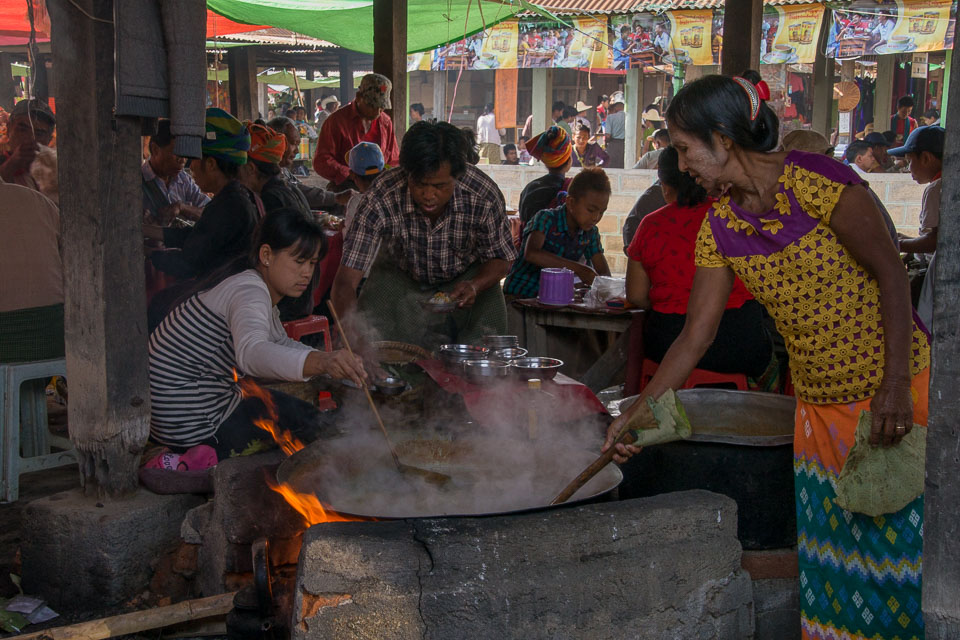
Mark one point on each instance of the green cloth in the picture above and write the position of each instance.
(671, 421)
(349, 23)
(879, 480)
(390, 303)
(32, 334)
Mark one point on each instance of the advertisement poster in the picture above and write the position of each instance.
(588, 49)
(790, 33)
(499, 50)
(690, 37)
(884, 27)
(638, 41)
(921, 26)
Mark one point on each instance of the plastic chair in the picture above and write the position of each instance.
(698, 378)
(296, 329)
(25, 439)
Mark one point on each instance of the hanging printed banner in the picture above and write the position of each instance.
(689, 38)
(588, 48)
(879, 28)
(921, 26)
(790, 33)
(499, 49)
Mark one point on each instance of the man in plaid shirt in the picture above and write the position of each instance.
(433, 224)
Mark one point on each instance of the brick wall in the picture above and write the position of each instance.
(899, 193)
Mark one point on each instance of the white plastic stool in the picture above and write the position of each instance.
(23, 424)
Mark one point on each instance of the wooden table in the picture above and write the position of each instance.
(538, 317)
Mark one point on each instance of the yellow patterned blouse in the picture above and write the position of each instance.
(826, 305)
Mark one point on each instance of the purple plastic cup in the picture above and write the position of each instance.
(556, 286)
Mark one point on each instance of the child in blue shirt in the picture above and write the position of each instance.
(560, 237)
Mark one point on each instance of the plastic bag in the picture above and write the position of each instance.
(878, 480)
(605, 288)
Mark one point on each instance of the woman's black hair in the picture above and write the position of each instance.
(428, 145)
(583, 127)
(569, 112)
(752, 75)
(717, 103)
(416, 106)
(488, 108)
(266, 168)
(229, 169)
(689, 193)
(280, 229)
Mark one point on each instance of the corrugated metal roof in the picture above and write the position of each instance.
(573, 7)
(276, 36)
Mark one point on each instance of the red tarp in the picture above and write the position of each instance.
(15, 25)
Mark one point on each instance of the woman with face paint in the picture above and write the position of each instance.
(802, 232)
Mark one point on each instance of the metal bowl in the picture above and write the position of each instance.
(454, 355)
(542, 368)
(485, 370)
(390, 386)
(508, 354)
(501, 342)
(439, 307)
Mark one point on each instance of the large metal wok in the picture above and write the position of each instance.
(487, 476)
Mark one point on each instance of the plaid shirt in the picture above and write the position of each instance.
(524, 278)
(473, 228)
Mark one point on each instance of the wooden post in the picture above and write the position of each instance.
(346, 78)
(7, 89)
(242, 73)
(634, 108)
(741, 45)
(941, 553)
(100, 204)
(542, 99)
(439, 95)
(883, 92)
(310, 96)
(822, 86)
(390, 54)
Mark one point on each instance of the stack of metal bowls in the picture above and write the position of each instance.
(497, 343)
(454, 355)
(508, 354)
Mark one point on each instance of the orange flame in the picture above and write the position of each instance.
(307, 505)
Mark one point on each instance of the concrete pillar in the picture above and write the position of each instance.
(883, 93)
(634, 108)
(741, 45)
(941, 553)
(6, 82)
(242, 74)
(439, 95)
(262, 103)
(390, 54)
(542, 99)
(346, 78)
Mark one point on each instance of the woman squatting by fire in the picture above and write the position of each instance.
(229, 325)
(805, 236)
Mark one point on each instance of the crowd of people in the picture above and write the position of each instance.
(746, 239)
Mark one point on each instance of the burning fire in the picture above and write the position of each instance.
(307, 505)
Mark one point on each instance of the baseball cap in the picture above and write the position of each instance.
(37, 108)
(374, 90)
(365, 159)
(922, 139)
(616, 97)
(875, 138)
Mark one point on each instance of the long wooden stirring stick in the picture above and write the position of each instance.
(433, 477)
(644, 420)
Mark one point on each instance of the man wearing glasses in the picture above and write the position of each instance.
(30, 125)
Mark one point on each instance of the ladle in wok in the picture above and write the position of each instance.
(432, 477)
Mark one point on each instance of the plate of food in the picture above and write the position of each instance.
(440, 302)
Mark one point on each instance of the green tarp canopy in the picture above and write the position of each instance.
(349, 23)
(284, 78)
(19, 70)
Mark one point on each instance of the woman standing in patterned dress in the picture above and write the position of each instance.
(806, 238)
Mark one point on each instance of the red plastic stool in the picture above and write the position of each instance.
(296, 329)
(698, 378)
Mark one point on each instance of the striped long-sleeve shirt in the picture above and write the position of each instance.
(195, 350)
